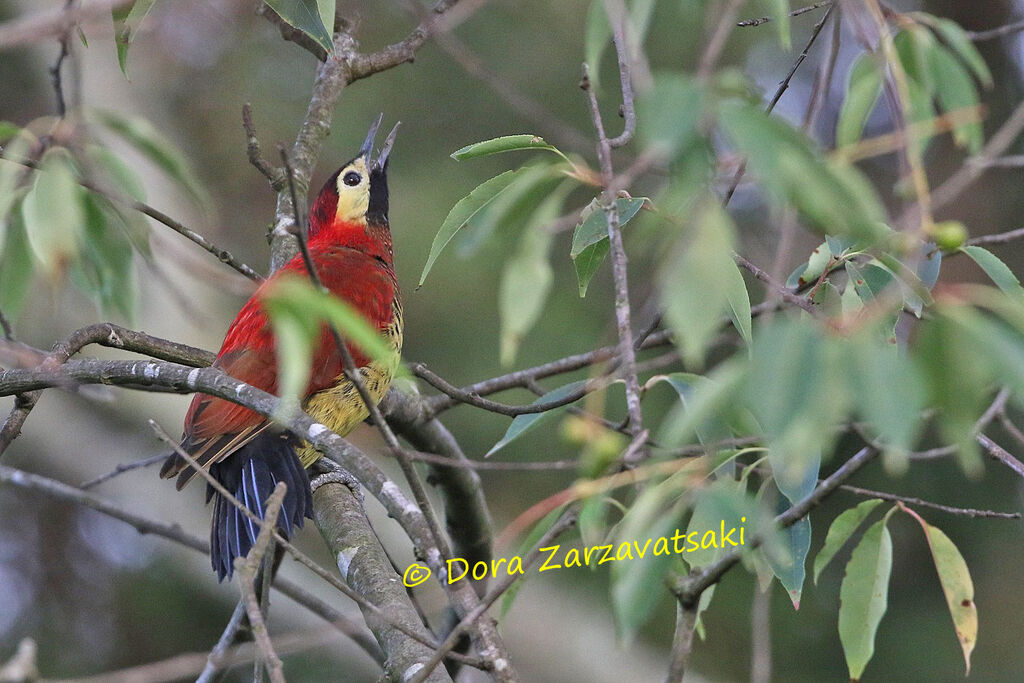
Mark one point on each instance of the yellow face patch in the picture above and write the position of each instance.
(353, 187)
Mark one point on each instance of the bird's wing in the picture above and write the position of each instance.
(214, 427)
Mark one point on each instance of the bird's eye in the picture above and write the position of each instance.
(352, 179)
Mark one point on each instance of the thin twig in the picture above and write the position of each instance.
(998, 238)
(222, 254)
(713, 50)
(998, 32)
(173, 532)
(1001, 454)
(607, 202)
(121, 469)
(779, 92)
(252, 147)
(801, 302)
(910, 500)
(567, 519)
(246, 568)
(214, 661)
(794, 13)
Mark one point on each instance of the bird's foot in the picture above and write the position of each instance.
(338, 476)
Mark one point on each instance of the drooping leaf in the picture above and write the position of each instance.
(696, 280)
(153, 145)
(795, 543)
(299, 313)
(835, 198)
(52, 213)
(507, 143)
(305, 16)
(15, 266)
(779, 11)
(127, 20)
(105, 269)
(862, 94)
(669, 114)
(957, 39)
(995, 269)
(863, 597)
(955, 90)
(637, 584)
(464, 211)
(596, 38)
(524, 423)
(842, 528)
(526, 278)
(956, 586)
(326, 9)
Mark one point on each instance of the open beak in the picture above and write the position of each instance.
(382, 159)
(367, 147)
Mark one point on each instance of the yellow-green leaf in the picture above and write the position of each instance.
(956, 585)
(840, 531)
(863, 597)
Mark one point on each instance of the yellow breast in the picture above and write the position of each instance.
(340, 407)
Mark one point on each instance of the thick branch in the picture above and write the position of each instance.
(365, 568)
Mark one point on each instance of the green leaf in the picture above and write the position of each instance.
(8, 130)
(739, 304)
(792, 172)
(594, 226)
(105, 269)
(326, 10)
(998, 271)
(842, 528)
(153, 145)
(863, 596)
(889, 394)
(305, 16)
(590, 239)
(588, 262)
(12, 174)
(795, 544)
(779, 10)
(507, 143)
(509, 212)
(53, 215)
(522, 424)
(862, 93)
(638, 584)
(15, 266)
(956, 586)
(592, 520)
(958, 40)
(596, 38)
(127, 20)
(526, 278)
(859, 282)
(669, 114)
(696, 280)
(686, 386)
(299, 313)
(808, 273)
(955, 90)
(464, 211)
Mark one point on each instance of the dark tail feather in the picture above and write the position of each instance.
(251, 473)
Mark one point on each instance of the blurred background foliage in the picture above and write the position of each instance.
(97, 596)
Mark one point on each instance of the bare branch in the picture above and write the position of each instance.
(246, 568)
(910, 500)
(216, 657)
(998, 32)
(713, 50)
(252, 146)
(121, 469)
(794, 13)
(999, 453)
